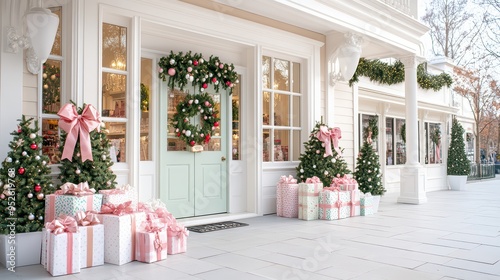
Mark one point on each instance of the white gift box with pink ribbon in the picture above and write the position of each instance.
(120, 195)
(152, 241)
(121, 224)
(345, 183)
(287, 197)
(62, 246)
(91, 239)
(177, 239)
(308, 198)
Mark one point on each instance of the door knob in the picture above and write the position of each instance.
(223, 158)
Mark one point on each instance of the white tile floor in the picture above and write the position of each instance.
(455, 235)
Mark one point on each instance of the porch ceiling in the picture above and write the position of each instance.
(387, 32)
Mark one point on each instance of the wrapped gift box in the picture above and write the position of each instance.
(151, 246)
(345, 183)
(63, 253)
(366, 202)
(120, 195)
(177, 239)
(287, 197)
(119, 236)
(355, 203)
(56, 205)
(308, 200)
(91, 245)
(348, 187)
(334, 204)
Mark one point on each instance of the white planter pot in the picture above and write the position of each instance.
(457, 182)
(28, 247)
(376, 203)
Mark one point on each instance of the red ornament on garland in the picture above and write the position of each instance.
(38, 188)
(207, 138)
(192, 143)
(214, 79)
(205, 85)
(195, 62)
(216, 124)
(21, 170)
(34, 146)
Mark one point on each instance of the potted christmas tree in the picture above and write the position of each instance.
(458, 166)
(368, 173)
(322, 157)
(24, 183)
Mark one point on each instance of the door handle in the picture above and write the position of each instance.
(223, 158)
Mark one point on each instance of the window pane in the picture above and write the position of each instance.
(217, 131)
(296, 144)
(236, 137)
(296, 77)
(113, 95)
(296, 111)
(281, 109)
(281, 144)
(213, 145)
(400, 144)
(51, 90)
(363, 137)
(50, 144)
(389, 124)
(434, 142)
(174, 97)
(116, 135)
(266, 108)
(281, 75)
(266, 150)
(114, 46)
(266, 72)
(145, 93)
(56, 47)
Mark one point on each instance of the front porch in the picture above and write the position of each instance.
(456, 235)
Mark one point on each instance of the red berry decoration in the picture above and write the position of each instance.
(34, 146)
(216, 124)
(205, 85)
(192, 143)
(21, 170)
(228, 83)
(214, 79)
(38, 188)
(195, 62)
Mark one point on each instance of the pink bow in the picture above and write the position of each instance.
(369, 138)
(154, 225)
(345, 180)
(333, 189)
(165, 216)
(313, 180)
(438, 156)
(336, 135)
(78, 125)
(62, 224)
(88, 218)
(324, 135)
(73, 189)
(287, 180)
(119, 210)
(177, 231)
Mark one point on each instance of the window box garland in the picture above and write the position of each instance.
(390, 74)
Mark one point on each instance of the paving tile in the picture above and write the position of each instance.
(227, 273)
(455, 273)
(482, 253)
(238, 262)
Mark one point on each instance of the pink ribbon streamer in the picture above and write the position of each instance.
(88, 218)
(119, 210)
(287, 180)
(62, 224)
(438, 156)
(112, 191)
(78, 126)
(336, 135)
(324, 135)
(77, 190)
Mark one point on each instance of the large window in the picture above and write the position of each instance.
(395, 146)
(281, 99)
(51, 94)
(114, 88)
(364, 120)
(433, 145)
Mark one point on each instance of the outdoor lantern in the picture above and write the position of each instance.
(345, 59)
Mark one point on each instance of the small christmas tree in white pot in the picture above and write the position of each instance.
(458, 166)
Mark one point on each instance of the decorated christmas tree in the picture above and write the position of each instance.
(322, 157)
(24, 181)
(458, 164)
(368, 173)
(78, 165)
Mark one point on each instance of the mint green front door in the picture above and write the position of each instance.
(192, 184)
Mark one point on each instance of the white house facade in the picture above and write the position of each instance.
(286, 54)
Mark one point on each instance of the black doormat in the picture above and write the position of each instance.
(216, 226)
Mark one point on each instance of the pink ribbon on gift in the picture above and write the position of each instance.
(284, 180)
(77, 190)
(88, 218)
(62, 224)
(119, 210)
(313, 180)
(339, 204)
(355, 201)
(142, 207)
(165, 216)
(178, 231)
(332, 188)
(112, 191)
(78, 126)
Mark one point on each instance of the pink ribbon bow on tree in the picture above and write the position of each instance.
(330, 136)
(88, 218)
(62, 224)
(78, 126)
(73, 189)
(119, 210)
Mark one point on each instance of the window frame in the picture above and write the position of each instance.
(429, 145)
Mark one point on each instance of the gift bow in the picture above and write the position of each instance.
(313, 180)
(330, 136)
(333, 189)
(178, 231)
(125, 188)
(153, 225)
(165, 216)
(345, 180)
(74, 189)
(88, 218)
(62, 224)
(287, 180)
(78, 125)
(120, 209)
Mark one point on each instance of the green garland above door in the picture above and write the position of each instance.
(390, 74)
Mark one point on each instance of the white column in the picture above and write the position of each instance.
(412, 184)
